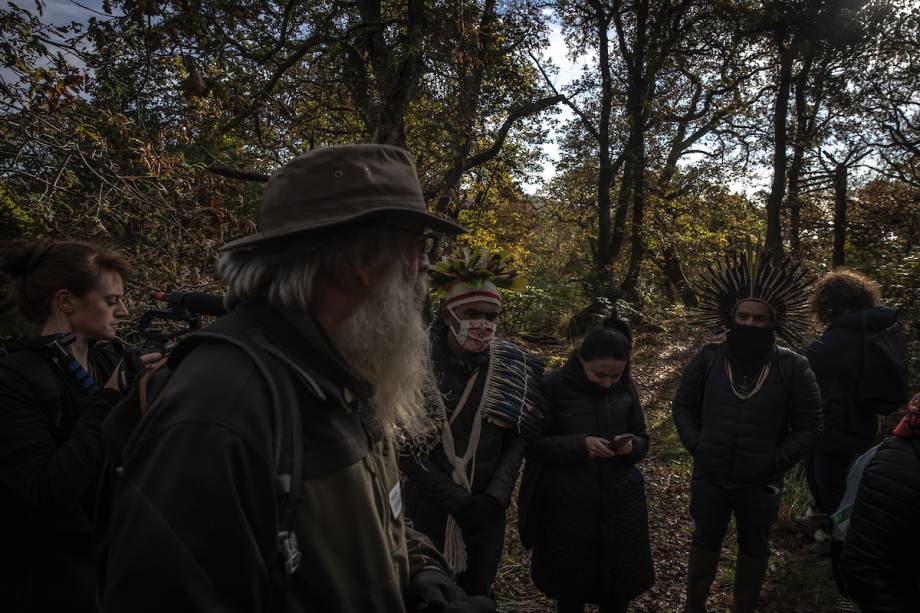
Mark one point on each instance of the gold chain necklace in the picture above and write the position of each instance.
(764, 372)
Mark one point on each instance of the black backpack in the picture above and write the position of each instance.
(279, 371)
(882, 387)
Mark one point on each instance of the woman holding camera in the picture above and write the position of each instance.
(55, 391)
(589, 516)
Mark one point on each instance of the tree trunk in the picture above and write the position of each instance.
(396, 78)
(793, 200)
(840, 214)
(804, 134)
(623, 197)
(467, 106)
(774, 201)
(638, 94)
(604, 256)
(674, 273)
(637, 243)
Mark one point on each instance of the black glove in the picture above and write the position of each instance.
(480, 511)
(432, 590)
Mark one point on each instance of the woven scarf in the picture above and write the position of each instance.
(464, 468)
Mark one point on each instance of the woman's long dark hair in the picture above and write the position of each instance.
(610, 340)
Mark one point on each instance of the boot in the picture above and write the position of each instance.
(700, 574)
(749, 573)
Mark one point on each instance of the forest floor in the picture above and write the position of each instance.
(799, 576)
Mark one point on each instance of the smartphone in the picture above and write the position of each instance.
(619, 441)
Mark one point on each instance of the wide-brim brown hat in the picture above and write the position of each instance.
(345, 184)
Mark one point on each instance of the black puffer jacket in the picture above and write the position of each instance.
(431, 493)
(742, 443)
(880, 564)
(51, 461)
(592, 541)
(836, 359)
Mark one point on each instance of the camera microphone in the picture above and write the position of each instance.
(196, 302)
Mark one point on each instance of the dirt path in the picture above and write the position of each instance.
(799, 578)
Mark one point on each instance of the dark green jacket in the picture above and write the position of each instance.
(195, 519)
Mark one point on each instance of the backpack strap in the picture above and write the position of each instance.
(143, 386)
(287, 450)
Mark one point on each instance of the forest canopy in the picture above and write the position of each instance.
(687, 128)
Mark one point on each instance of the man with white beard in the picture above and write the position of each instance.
(329, 293)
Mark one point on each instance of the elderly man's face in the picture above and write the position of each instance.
(385, 339)
(413, 242)
(752, 313)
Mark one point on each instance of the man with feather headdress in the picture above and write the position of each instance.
(485, 396)
(747, 410)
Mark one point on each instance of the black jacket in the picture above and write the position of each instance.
(51, 461)
(195, 518)
(431, 493)
(880, 564)
(592, 540)
(836, 358)
(744, 443)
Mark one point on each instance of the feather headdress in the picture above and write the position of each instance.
(754, 275)
(473, 267)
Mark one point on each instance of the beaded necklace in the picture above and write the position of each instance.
(764, 372)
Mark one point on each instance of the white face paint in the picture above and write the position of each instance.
(473, 335)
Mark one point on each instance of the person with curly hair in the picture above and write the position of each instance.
(848, 303)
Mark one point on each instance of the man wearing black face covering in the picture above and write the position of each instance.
(747, 411)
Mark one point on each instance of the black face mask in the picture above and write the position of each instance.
(749, 343)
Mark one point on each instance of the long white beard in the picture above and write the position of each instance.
(385, 342)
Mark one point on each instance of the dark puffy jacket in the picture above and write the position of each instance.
(591, 524)
(836, 358)
(742, 443)
(431, 493)
(880, 564)
(51, 461)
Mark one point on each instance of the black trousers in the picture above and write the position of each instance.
(827, 480)
(483, 553)
(712, 506)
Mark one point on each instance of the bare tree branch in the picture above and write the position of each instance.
(235, 173)
(514, 114)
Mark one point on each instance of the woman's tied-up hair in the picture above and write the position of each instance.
(611, 340)
(32, 271)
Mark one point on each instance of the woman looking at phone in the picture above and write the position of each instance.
(590, 536)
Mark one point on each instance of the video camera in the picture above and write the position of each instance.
(161, 329)
(157, 326)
